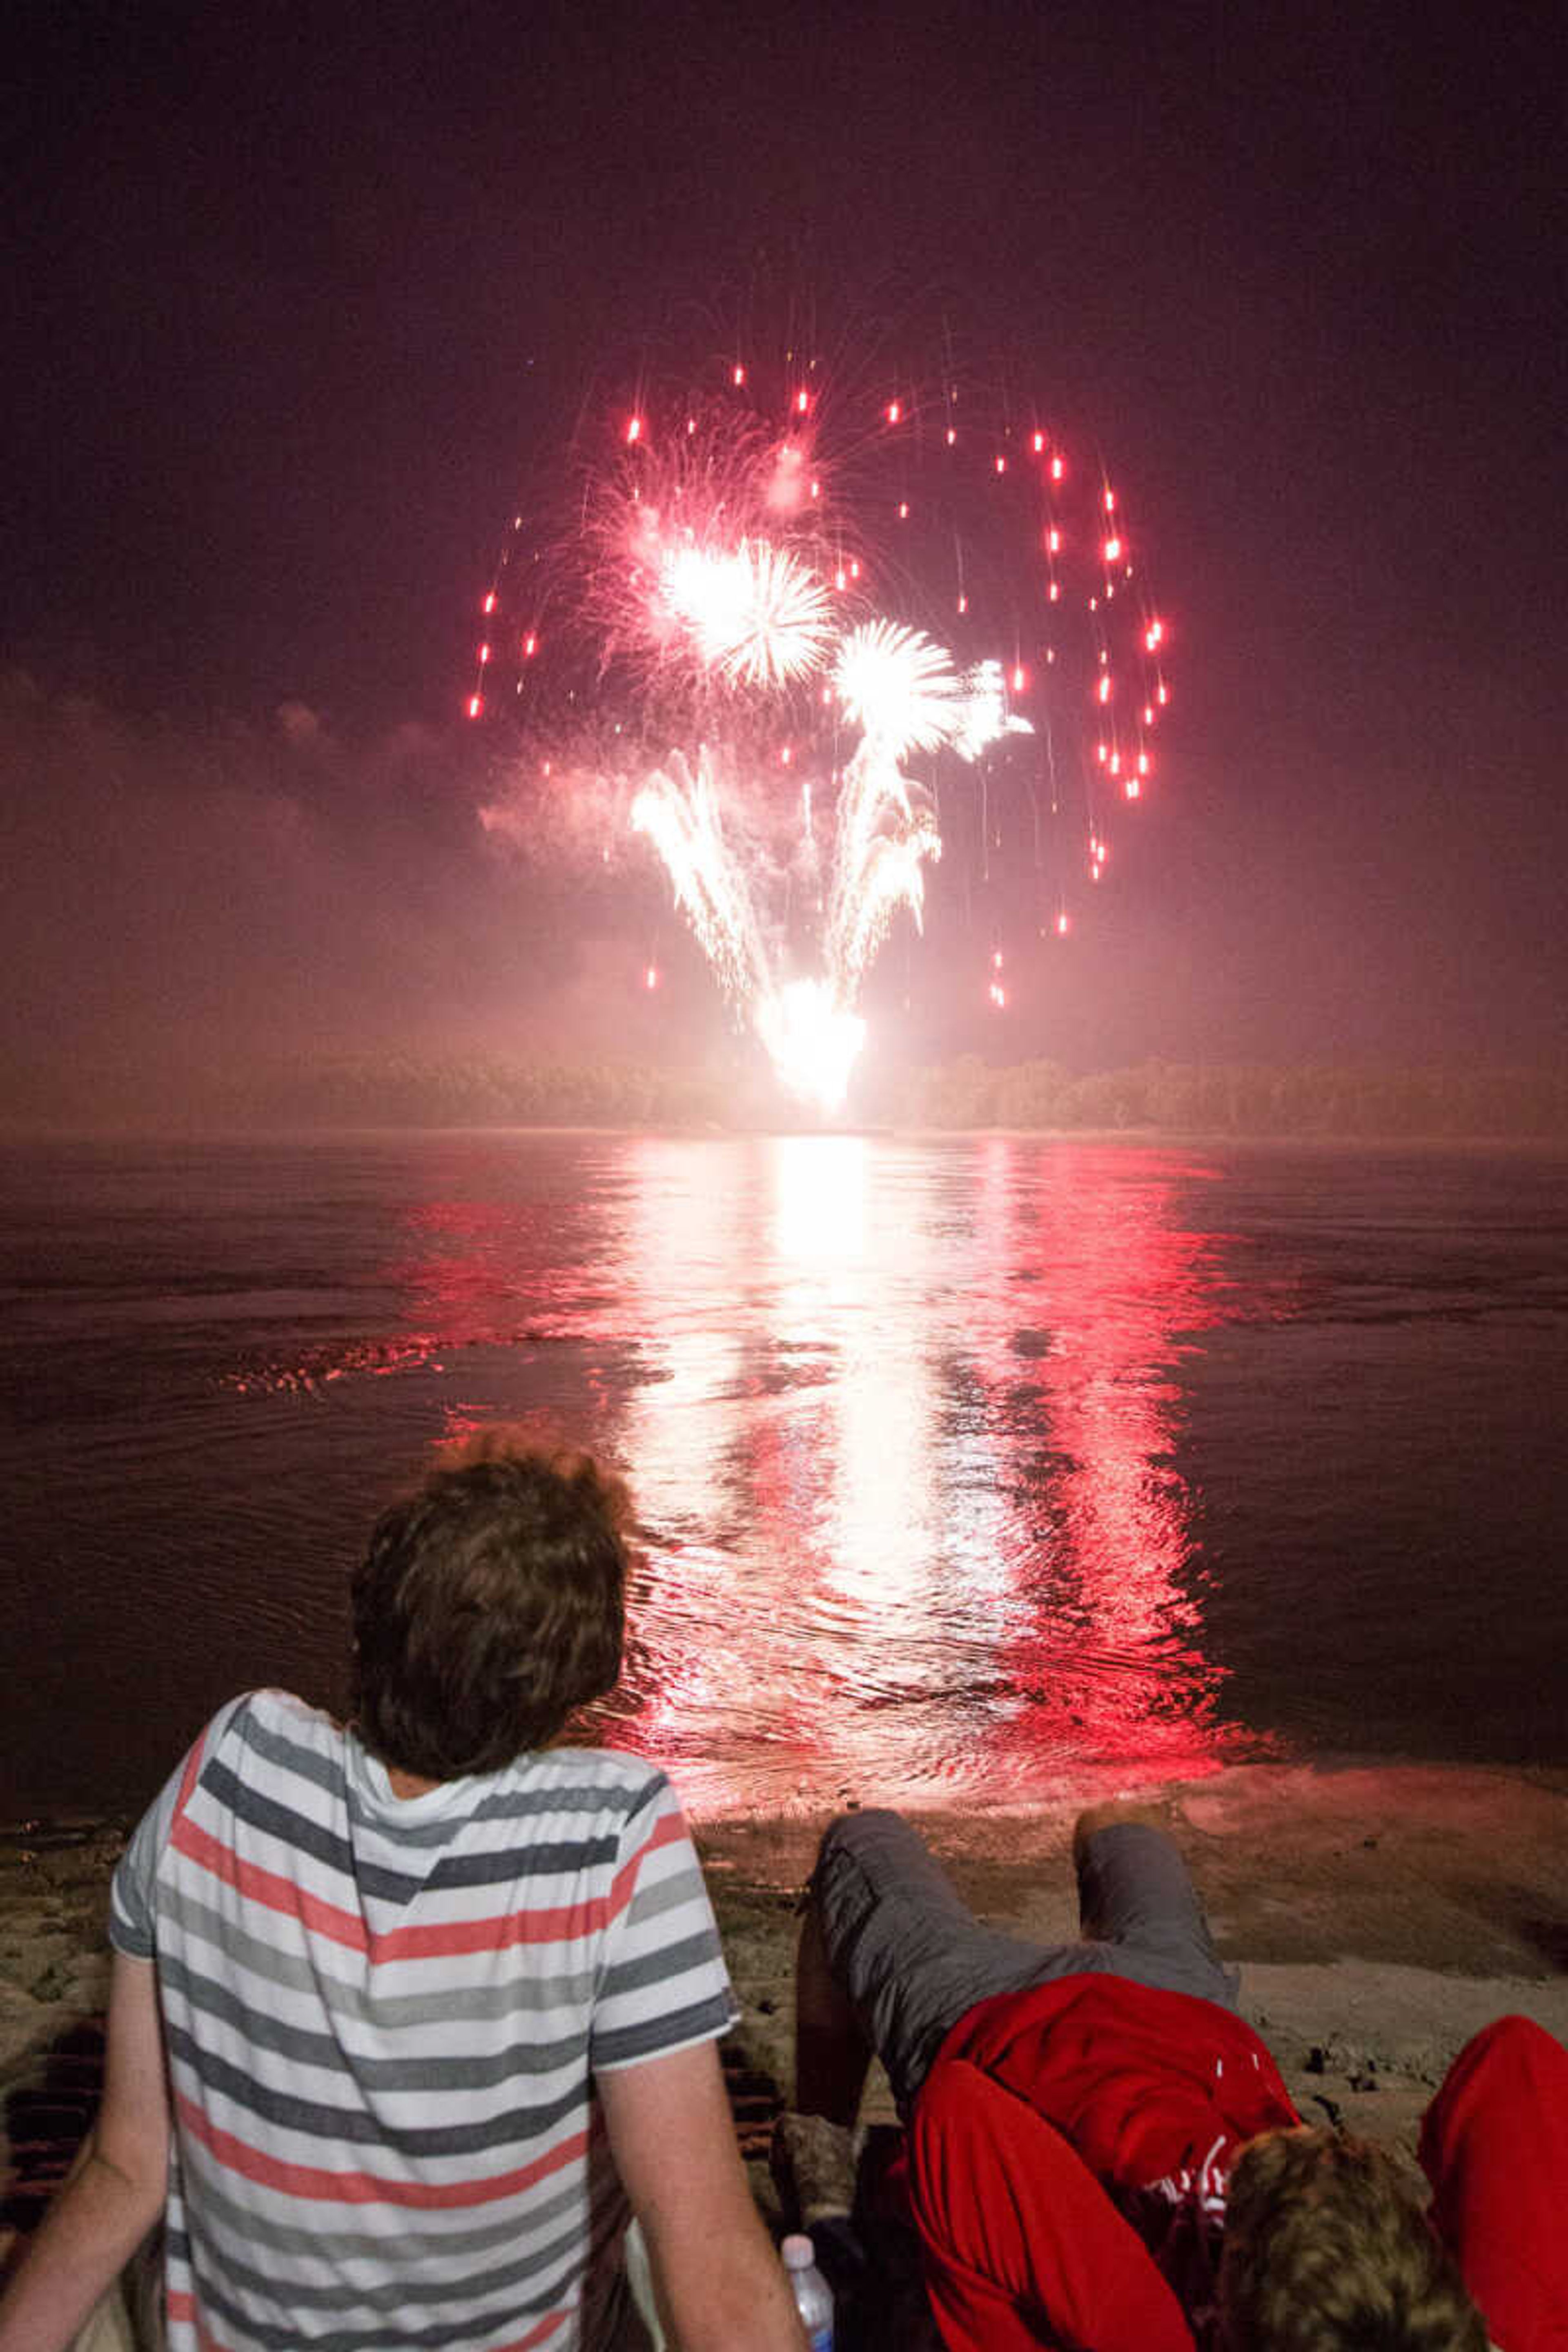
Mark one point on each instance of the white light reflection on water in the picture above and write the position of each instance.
(969, 1465)
(903, 1458)
(898, 1415)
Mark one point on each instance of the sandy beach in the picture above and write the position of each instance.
(1380, 1915)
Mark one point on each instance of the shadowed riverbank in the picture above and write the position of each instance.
(1380, 1914)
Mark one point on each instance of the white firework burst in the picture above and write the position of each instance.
(677, 810)
(981, 716)
(899, 687)
(755, 613)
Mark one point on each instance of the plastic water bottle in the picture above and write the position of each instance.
(813, 2299)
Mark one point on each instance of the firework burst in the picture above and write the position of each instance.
(757, 616)
(786, 628)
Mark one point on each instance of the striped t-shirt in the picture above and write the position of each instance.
(382, 2020)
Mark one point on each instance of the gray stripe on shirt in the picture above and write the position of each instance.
(450, 2235)
(373, 2337)
(545, 2274)
(657, 1967)
(275, 1817)
(352, 2127)
(704, 2020)
(490, 2002)
(514, 2061)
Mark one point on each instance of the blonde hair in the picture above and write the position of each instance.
(1327, 2250)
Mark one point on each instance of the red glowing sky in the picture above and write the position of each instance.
(293, 309)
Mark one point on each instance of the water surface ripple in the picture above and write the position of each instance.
(967, 1468)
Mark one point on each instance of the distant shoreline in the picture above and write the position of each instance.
(1147, 1101)
(1133, 1138)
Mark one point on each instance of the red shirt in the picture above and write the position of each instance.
(1494, 2143)
(1045, 2107)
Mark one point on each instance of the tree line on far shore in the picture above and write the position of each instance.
(1245, 1099)
(1305, 1099)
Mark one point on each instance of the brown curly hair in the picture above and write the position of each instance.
(487, 1607)
(1327, 2250)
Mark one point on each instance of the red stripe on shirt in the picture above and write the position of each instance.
(312, 2181)
(448, 1940)
(181, 2307)
(547, 2327)
(669, 1830)
(206, 2341)
(568, 1922)
(268, 1887)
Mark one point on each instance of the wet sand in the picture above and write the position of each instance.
(1380, 1915)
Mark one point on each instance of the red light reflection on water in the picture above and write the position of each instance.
(1104, 1644)
(948, 1437)
(900, 1420)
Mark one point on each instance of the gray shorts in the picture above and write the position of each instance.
(913, 1959)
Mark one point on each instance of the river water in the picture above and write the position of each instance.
(968, 1469)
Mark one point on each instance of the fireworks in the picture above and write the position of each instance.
(756, 616)
(788, 627)
(811, 1042)
(898, 687)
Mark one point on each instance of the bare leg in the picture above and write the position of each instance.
(832, 2055)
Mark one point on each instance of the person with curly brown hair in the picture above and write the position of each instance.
(1100, 2152)
(410, 2014)
(1326, 2248)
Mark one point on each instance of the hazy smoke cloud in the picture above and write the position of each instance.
(177, 895)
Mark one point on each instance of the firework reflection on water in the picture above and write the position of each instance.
(976, 1468)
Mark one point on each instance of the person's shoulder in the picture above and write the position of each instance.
(274, 1710)
(607, 1782)
(270, 1726)
(614, 1770)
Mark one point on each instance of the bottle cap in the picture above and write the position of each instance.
(798, 2253)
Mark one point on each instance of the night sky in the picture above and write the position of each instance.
(296, 301)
